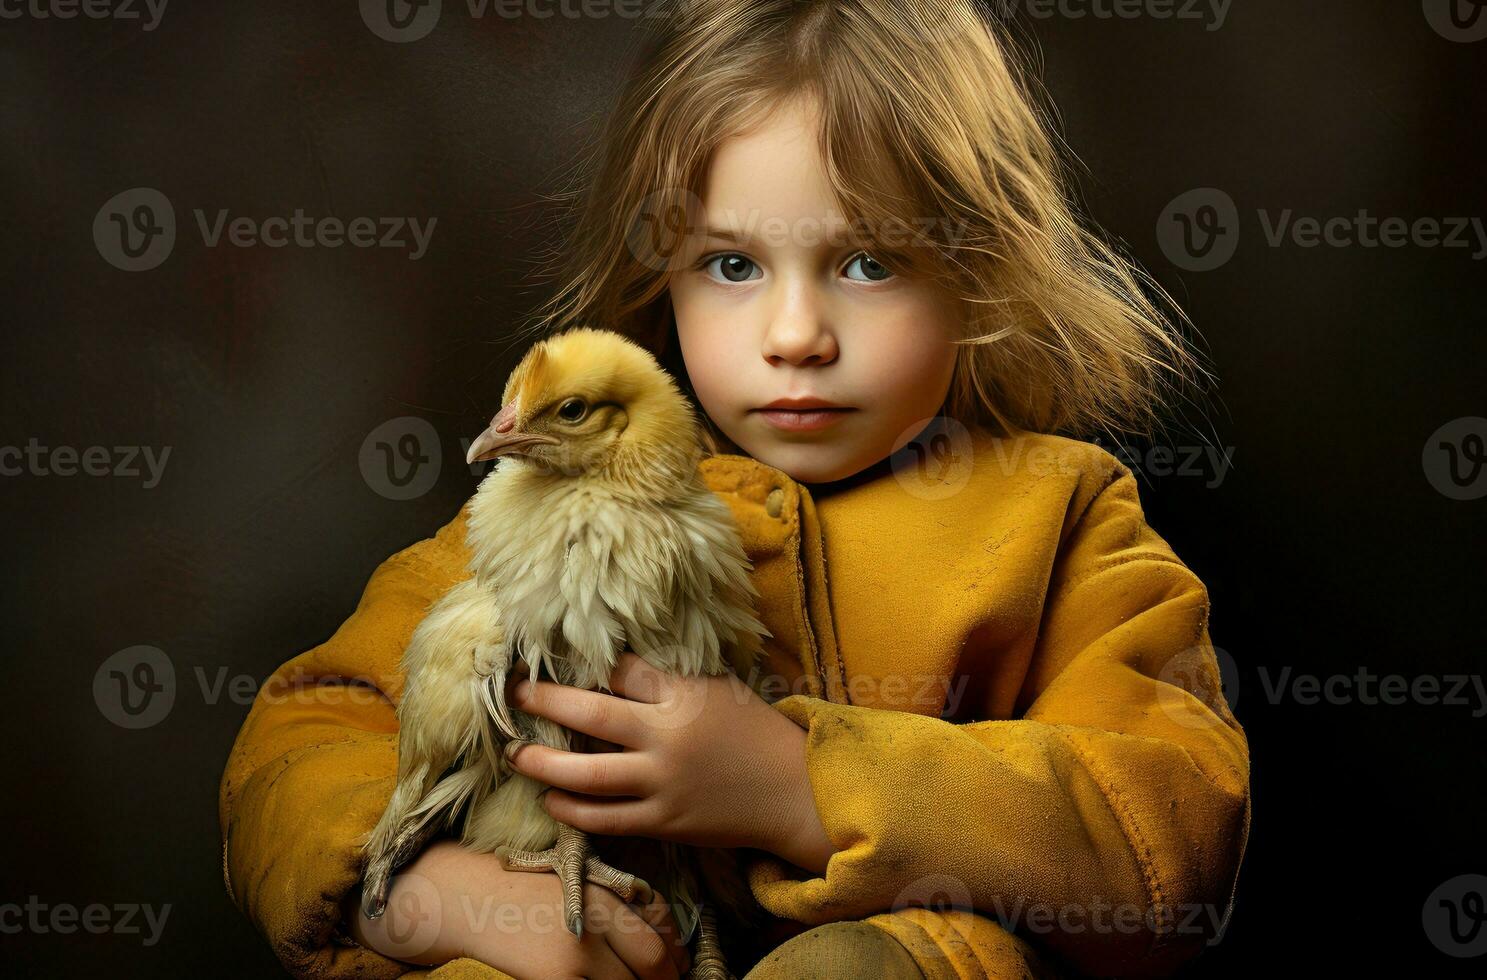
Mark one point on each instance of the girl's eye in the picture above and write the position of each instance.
(572, 410)
(732, 268)
(872, 270)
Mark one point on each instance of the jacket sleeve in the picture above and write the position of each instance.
(1107, 823)
(315, 763)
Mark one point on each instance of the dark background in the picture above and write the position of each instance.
(265, 371)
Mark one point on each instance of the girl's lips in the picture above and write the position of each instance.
(802, 419)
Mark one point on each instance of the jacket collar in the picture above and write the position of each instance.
(778, 526)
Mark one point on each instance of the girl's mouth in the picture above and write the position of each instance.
(802, 419)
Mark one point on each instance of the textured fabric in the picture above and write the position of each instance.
(955, 944)
(994, 675)
(838, 951)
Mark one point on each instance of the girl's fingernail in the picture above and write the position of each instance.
(521, 690)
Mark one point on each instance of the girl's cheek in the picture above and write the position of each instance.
(711, 351)
(910, 353)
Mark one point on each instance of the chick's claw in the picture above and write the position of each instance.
(374, 889)
(708, 962)
(378, 878)
(571, 858)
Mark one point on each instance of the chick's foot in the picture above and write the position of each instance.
(707, 961)
(575, 863)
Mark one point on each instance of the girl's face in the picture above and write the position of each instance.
(776, 304)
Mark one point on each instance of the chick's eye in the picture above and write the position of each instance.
(731, 268)
(572, 410)
(870, 268)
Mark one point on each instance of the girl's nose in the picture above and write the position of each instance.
(798, 333)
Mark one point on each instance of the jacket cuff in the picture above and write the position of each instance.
(844, 801)
(294, 851)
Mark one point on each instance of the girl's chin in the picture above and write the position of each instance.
(819, 462)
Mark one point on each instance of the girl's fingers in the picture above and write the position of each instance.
(645, 940)
(659, 916)
(611, 816)
(591, 773)
(610, 965)
(591, 712)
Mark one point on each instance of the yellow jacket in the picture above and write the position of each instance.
(1011, 704)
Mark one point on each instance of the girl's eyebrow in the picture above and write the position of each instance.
(726, 234)
(744, 238)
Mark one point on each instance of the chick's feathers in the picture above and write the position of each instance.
(592, 535)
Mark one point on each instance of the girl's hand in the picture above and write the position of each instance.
(452, 902)
(705, 762)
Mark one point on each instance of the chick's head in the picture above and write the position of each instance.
(592, 402)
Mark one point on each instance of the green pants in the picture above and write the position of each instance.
(838, 951)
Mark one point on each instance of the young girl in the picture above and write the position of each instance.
(996, 747)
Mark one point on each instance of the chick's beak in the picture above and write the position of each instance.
(502, 437)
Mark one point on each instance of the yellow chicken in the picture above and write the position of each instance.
(593, 534)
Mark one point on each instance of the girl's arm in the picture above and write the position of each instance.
(451, 902)
(315, 763)
(444, 877)
(1108, 821)
(311, 771)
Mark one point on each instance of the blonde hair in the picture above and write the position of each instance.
(923, 114)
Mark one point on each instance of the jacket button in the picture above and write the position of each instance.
(774, 502)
